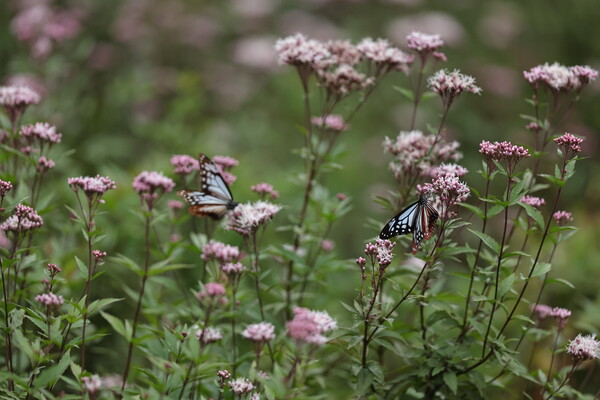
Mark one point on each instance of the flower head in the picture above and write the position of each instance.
(264, 189)
(541, 311)
(559, 78)
(233, 269)
(42, 132)
(332, 122)
(343, 81)
(450, 85)
(562, 217)
(24, 219)
(50, 299)
(16, 99)
(561, 315)
(91, 383)
(327, 245)
(221, 252)
(448, 168)
(175, 205)
(261, 332)
(151, 182)
(450, 191)
(92, 186)
(569, 143)
(248, 217)
(342, 52)
(222, 377)
(184, 164)
(497, 151)
(225, 162)
(584, 347)
(241, 386)
(533, 201)
(308, 326)
(384, 56)
(212, 291)
(54, 269)
(5, 187)
(424, 43)
(209, 335)
(299, 51)
(380, 251)
(98, 256)
(44, 164)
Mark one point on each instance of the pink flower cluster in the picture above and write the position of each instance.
(561, 315)
(151, 182)
(212, 290)
(424, 43)
(45, 164)
(225, 162)
(175, 205)
(450, 85)
(5, 187)
(221, 252)
(42, 27)
(446, 169)
(97, 185)
(54, 269)
(343, 80)
(342, 52)
(450, 191)
(260, 333)
(233, 269)
(91, 384)
(584, 347)
(24, 219)
(98, 255)
(380, 251)
(557, 77)
(241, 386)
(533, 127)
(415, 154)
(562, 217)
(383, 55)
(502, 151)
(332, 122)
(541, 311)
(184, 164)
(265, 189)
(308, 326)
(298, 50)
(41, 132)
(569, 143)
(209, 335)
(15, 99)
(248, 217)
(222, 377)
(50, 299)
(327, 245)
(533, 201)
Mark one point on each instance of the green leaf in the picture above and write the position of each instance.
(405, 92)
(557, 181)
(116, 324)
(476, 210)
(365, 379)
(451, 381)
(559, 280)
(541, 268)
(83, 269)
(534, 213)
(506, 284)
(517, 192)
(100, 304)
(51, 375)
(488, 240)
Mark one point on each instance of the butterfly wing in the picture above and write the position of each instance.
(211, 181)
(202, 204)
(402, 223)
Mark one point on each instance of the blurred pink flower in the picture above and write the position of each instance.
(261, 332)
(441, 23)
(332, 122)
(264, 189)
(91, 384)
(562, 217)
(42, 132)
(151, 182)
(308, 326)
(424, 43)
(184, 164)
(27, 80)
(248, 217)
(569, 143)
(450, 85)
(24, 219)
(584, 347)
(241, 386)
(50, 299)
(500, 25)
(233, 269)
(255, 52)
(16, 99)
(327, 245)
(91, 185)
(225, 162)
(561, 315)
(541, 311)
(533, 201)
(221, 252)
(209, 335)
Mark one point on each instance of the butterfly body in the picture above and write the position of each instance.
(418, 218)
(214, 199)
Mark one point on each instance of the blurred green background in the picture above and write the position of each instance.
(140, 80)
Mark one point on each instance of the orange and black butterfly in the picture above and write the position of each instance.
(418, 218)
(214, 199)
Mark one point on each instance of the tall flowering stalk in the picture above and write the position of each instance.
(89, 191)
(335, 66)
(149, 186)
(233, 272)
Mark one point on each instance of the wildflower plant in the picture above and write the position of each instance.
(239, 306)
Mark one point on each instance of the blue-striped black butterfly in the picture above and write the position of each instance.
(214, 199)
(418, 218)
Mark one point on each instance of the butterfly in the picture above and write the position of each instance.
(418, 218)
(214, 199)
